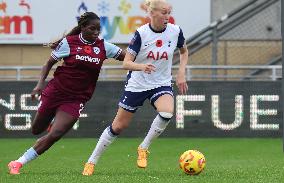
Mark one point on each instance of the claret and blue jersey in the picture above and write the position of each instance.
(78, 74)
(84, 47)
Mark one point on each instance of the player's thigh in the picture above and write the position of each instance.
(122, 118)
(46, 111)
(63, 122)
(41, 122)
(165, 103)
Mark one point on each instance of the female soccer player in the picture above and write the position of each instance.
(73, 84)
(149, 61)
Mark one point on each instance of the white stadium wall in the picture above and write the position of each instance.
(37, 22)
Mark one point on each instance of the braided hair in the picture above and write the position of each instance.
(82, 22)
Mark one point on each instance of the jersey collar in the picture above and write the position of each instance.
(161, 31)
(84, 40)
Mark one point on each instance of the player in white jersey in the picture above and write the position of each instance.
(149, 61)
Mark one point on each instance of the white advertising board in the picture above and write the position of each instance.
(38, 21)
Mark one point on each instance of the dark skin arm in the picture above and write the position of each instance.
(121, 56)
(44, 73)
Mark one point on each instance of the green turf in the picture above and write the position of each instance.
(228, 161)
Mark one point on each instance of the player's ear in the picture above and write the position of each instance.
(151, 12)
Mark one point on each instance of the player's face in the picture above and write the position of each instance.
(161, 14)
(92, 30)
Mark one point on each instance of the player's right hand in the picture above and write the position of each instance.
(36, 92)
(149, 68)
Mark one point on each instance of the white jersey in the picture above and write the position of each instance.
(157, 48)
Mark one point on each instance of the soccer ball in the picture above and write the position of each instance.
(192, 162)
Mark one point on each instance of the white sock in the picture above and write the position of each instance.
(28, 156)
(105, 140)
(157, 127)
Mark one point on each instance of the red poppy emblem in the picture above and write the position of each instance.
(159, 43)
(88, 49)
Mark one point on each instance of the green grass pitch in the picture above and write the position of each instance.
(228, 160)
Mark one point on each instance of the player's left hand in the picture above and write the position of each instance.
(181, 83)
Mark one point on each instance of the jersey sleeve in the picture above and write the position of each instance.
(61, 51)
(135, 44)
(112, 51)
(181, 39)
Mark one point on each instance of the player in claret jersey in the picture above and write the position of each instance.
(149, 61)
(74, 82)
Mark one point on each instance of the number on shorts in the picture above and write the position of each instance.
(81, 108)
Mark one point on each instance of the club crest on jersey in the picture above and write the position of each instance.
(157, 56)
(96, 50)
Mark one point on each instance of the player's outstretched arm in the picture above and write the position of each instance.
(128, 64)
(181, 80)
(44, 73)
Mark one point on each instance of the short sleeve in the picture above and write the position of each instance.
(112, 51)
(61, 51)
(135, 44)
(181, 39)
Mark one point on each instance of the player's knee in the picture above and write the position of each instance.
(55, 135)
(36, 131)
(119, 128)
(167, 116)
(37, 127)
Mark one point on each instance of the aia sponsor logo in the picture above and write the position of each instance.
(158, 55)
(88, 59)
(16, 24)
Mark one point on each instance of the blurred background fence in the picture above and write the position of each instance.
(242, 42)
(249, 35)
